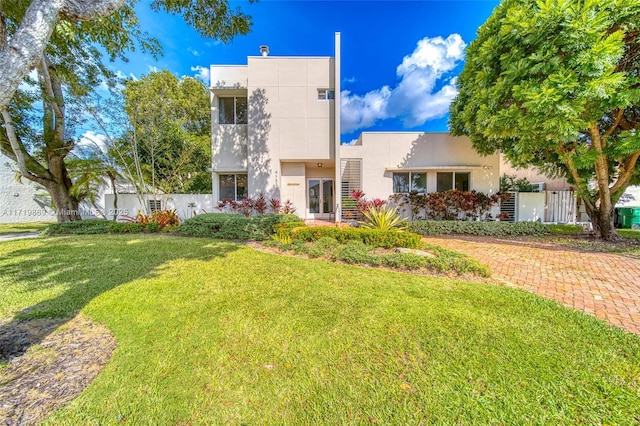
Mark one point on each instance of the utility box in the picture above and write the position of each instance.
(629, 217)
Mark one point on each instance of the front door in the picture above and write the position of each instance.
(320, 198)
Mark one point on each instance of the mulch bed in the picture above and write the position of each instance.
(47, 364)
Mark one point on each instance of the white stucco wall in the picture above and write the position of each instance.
(294, 186)
(531, 207)
(286, 120)
(533, 175)
(22, 202)
(382, 153)
(129, 204)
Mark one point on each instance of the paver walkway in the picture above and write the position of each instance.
(18, 236)
(604, 285)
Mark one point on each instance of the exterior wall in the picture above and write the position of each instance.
(294, 185)
(30, 202)
(228, 141)
(533, 176)
(630, 198)
(531, 207)
(287, 122)
(129, 204)
(385, 152)
(22, 202)
(228, 76)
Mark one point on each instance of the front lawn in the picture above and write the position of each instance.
(10, 228)
(212, 332)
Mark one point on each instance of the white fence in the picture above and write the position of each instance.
(184, 204)
(545, 206)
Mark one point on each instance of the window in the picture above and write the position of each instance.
(232, 110)
(453, 180)
(410, 181)
(233, 187)
(326, 94)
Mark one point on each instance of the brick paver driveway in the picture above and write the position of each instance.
(604, 285)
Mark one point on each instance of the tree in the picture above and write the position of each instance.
(171, 134)
(554, 84)
(60, 39)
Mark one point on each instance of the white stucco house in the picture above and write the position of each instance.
(276, 130)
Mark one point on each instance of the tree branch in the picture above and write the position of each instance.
(626, 172)
(28, 43)
(615, 124)
(3, 28)
(88, 10)
(39, 174)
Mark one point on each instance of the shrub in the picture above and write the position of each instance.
(93, 226)
(383, 218)
(408, 261)
(371, 237)
(157, 220)
(355, 252)
(496, 229)
(233, 226)
(449, 205)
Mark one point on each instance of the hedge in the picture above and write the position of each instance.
(93, 226)
(234, 226)
(495, 229)
(370, 237)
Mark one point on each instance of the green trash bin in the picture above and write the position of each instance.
(629, 217)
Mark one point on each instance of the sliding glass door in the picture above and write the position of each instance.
(320, 198)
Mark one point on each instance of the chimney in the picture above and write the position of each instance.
(264, 50)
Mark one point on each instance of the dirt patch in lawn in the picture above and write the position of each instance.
(45, 365)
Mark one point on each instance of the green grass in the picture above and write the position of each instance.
(565, 229)
(213, 332)
(10, 228)
(631, 234)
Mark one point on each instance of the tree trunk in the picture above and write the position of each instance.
(66, 206)
(112, 179)
(602, 221)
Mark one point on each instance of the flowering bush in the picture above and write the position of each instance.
(449, 205)
(249, 206)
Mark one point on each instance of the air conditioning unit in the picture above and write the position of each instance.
(539, 187)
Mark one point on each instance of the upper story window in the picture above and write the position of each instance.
(453, 180)
(232, 110)
(409, 181)
(326, 94)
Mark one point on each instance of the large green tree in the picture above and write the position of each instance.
(554, 84)
(63, 41)
(170, 132)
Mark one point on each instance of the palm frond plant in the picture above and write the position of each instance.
(383, 218)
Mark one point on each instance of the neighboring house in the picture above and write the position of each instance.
(276, 130)
(26, 201)
(23, 201)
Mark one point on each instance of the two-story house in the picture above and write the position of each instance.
(276, 130)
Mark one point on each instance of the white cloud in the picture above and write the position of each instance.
(202, 73)
(417, 98)
(193, 51)
(91, 141)
(153, 68)
(357, 111)
(349, 80)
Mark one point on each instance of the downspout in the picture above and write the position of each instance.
(336, 119)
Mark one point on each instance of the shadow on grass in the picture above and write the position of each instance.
(85, 267)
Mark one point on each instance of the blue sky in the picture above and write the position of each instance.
(399, 58)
